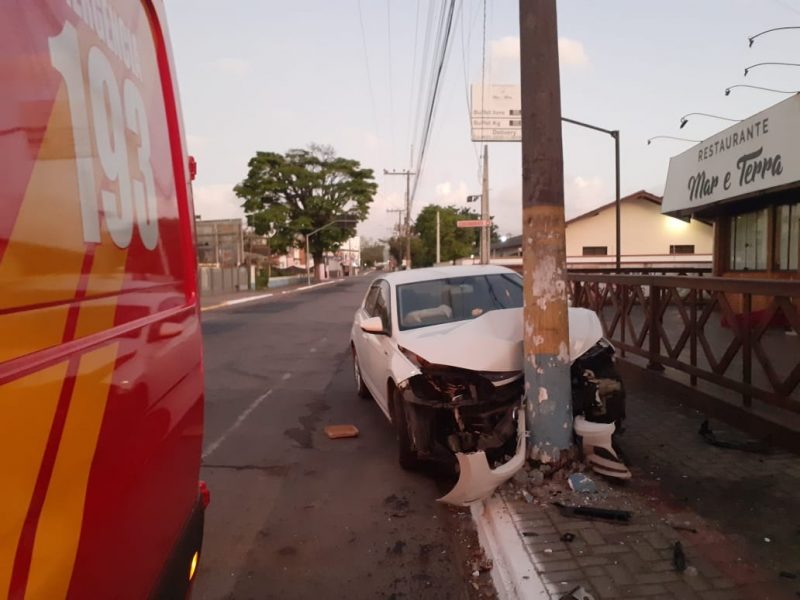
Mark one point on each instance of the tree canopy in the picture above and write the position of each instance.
(372, 252)
(454, 241)
(290, 195)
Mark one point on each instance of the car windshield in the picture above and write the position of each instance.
(456, 299)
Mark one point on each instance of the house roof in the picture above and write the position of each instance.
(516, 241)
(640, 195)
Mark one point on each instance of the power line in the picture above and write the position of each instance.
(366, 61)
(439, 63)
(483, 67)
(389, 70)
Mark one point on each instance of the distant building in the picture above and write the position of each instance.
(220, 242)
(649, 238)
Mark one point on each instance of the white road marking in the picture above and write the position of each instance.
(248, 299)
(241, 419)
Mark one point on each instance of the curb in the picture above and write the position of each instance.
(236, 301)
(513, 573)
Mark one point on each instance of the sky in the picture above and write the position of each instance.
(272, 76)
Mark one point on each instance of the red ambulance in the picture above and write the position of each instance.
(101, 383)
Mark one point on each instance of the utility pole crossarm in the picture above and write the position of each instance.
(407, 175)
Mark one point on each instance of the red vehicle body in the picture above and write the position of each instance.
(101, 384)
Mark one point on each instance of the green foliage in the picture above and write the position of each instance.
(455, 242)
(397, 250)
(295, 193)
(372, 252)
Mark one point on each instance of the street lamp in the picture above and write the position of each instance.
(761, 64)
(614, 133)
(685, 118)
(317, 230)
(757, 87)
(752, 38)
(671, 137)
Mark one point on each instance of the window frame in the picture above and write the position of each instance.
(585, 248)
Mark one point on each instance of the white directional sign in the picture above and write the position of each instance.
(496, 113)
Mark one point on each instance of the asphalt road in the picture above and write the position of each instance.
(294, 514)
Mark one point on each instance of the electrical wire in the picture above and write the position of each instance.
(444, 43)
(366, 62)
(389, 69)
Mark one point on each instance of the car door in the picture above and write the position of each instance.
(361, 339)
(375, 363)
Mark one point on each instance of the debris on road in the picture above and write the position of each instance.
(678, 557)
(579, 593)
(335, 432)
(568, 537)
(578, 482)
(594, 512)
(732, 443)
(683, 528)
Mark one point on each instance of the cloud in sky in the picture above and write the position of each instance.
(505, 56)
(216, 201)
(238, 67)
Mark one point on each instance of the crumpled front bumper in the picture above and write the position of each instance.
(477, 480)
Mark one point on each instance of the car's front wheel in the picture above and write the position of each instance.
(405, 451)
(363, 392)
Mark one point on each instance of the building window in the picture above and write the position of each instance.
(749, 241)
(595, 250)
(681, 249)
(787, 235)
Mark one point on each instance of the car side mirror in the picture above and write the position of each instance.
(373, 325)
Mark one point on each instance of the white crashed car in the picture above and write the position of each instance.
(440, 351)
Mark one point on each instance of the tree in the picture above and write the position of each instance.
(372, 252)
(304, 190)
(397, 250)
(455, 242)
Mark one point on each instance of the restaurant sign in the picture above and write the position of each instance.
(754, 155)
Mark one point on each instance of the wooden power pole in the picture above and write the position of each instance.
(408, 175)
(546, 326)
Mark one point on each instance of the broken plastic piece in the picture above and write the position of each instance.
(579, 482)
(594, 512)
(678, 558)
(476, 480)
(745, 445)
(568, 537)
(597, 447)
(341, 431)
(579, 593)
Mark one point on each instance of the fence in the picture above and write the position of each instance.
(222, 279)
(741, 336)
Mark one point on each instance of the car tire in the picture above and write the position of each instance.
(406, 455)
(362, 390)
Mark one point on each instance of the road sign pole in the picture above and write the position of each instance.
(546, 326)
(485, 230)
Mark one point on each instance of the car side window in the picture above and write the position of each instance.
(383, 307)
(372, 297)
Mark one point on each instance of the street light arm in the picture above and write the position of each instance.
(761, 64)
(671, 137)
(612, 133)
(752, 38)
(757, 87)
(685, 118)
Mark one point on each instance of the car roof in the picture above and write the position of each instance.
(432, 273)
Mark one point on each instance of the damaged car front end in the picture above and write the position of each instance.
(471, 419)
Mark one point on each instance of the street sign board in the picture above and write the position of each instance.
(473, 198)
(495, 114)
(474, 223)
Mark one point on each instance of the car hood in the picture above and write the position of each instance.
(493, 341)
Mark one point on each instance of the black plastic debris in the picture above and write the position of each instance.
(579, 593)
(568, 537)
(678, 557)
(593, 512)
(732, 443)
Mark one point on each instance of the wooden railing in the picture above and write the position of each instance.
(743, 336)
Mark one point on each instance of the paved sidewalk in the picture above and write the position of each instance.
(220, 300)
(735, 514)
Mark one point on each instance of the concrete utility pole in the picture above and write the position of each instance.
(399, 212)
(486, 230)
(408, 175)
(438, 239)
(546, 326)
